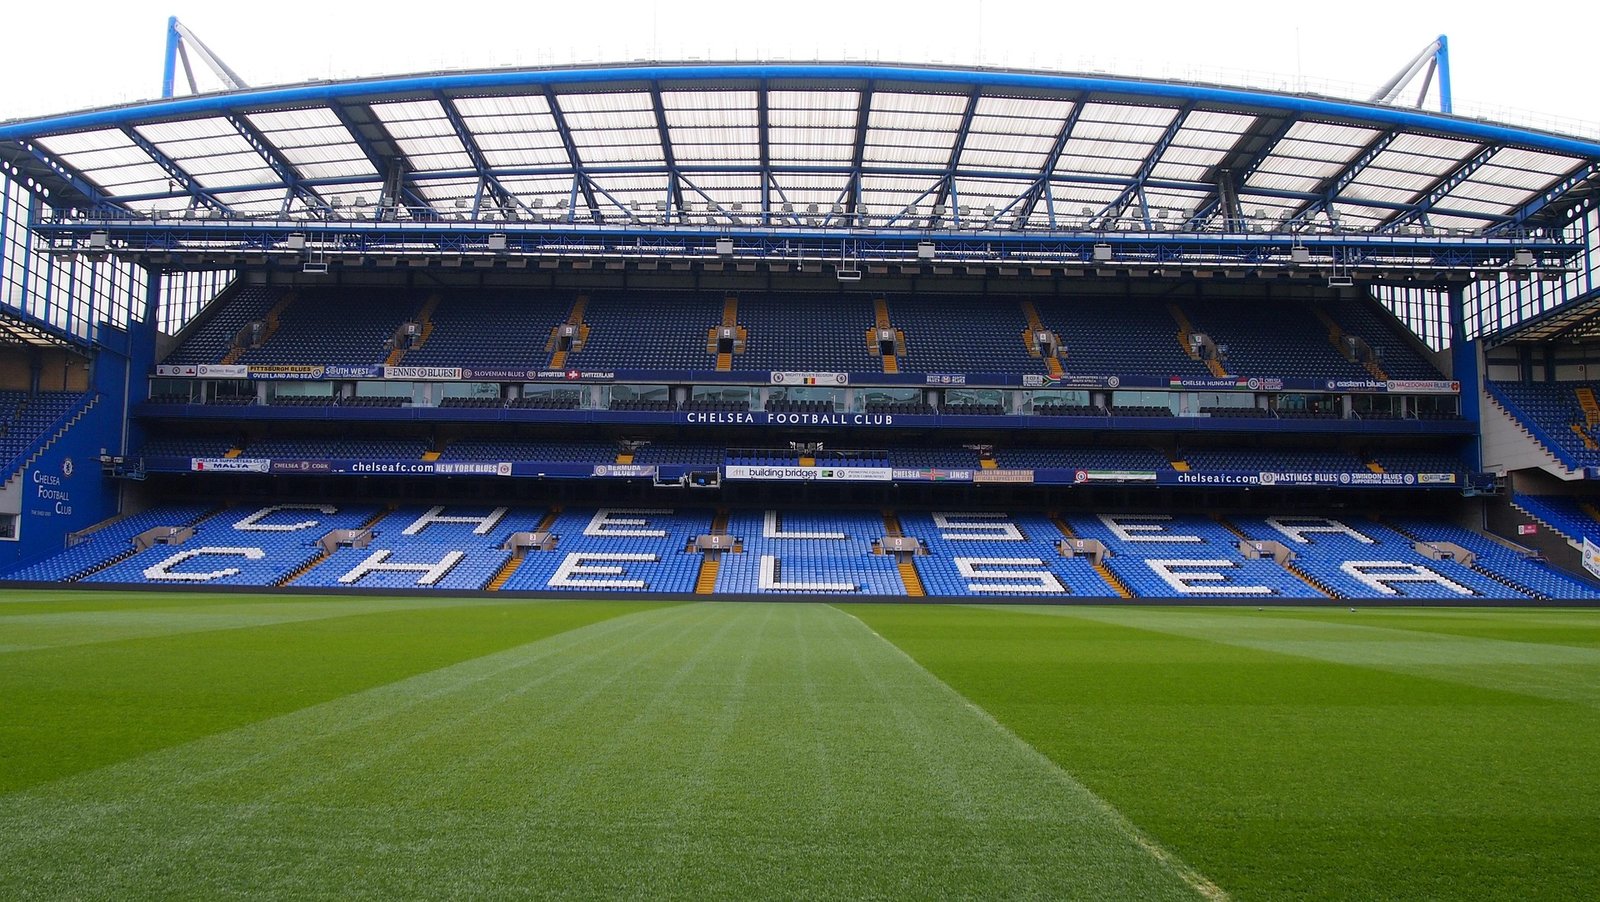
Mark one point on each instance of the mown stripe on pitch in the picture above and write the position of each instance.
(1552, 671)
(706, 750)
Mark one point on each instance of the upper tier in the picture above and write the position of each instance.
(677, 331)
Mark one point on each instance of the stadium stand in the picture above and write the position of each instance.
(1133, 337)
(986, 553)
(437, 547)
(492, 328)
(805, 332)
(213, 336)
(808, 552)
(960, 554)
(617, 550)
(1555, 415)
(1572, 516)
(28, 418)
(239, 547)
(348, 326)
(697, 359)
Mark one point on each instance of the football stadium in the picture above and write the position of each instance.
(797, 479)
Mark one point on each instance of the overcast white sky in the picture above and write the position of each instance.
(1528, 68)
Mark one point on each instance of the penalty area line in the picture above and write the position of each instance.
(1168, 859)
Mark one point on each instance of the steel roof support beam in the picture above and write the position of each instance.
(1041, 186)
(859, 150)
(948, 183)
(764, 148)
(685, 173)
(1114, 211)
(1331, 188)
(1441, 188)
(1208, 208)
(176, 172)
(275, 159)
(580, 181)
(504, 199)
(92, 193)
(381, 162)
(674, 199)
(1544, 198)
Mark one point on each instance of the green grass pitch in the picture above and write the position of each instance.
(193, 746)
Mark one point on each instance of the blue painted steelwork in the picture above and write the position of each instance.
(1042, 185)
(1209, 208)
(281, 166)
(1554, 192)
(859, 146)
(1333, 187)
(1443, 187)
(169, 69)
(1387, 117)
(1209, 251)
(1114, 210)
(380, 163)
(1441, 58)
(947, 181)
(762, 132)
(1120, 182)
(76, 182)
(503, 199)
(674, 201)
(176, 172)
(580, 180)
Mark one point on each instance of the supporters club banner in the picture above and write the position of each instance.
(932, 474)
(625, 470)
(229, 465)
(318, 466)
(787, 378)
(1359, 479)
(1066, 382)
(810, 474)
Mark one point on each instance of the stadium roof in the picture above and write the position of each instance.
(797, 145)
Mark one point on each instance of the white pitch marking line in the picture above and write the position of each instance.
(1197, 881)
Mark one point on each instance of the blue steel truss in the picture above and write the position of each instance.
(1030, 187)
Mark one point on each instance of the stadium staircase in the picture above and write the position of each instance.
(1591, 407)
(273, 319)
(1052, 365)
(730, 320)
(558, 357)
(1336, 337)
(132, 549)
(310, 565)
(423, 319)
(68, 420)
(908, 569)
(1294, 570)
(1477, 568)
(705, 581)
(1584, 436)
(1186, 329)
(880, 312)
(1548, 526)
(1111, 579)
(503, 575)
